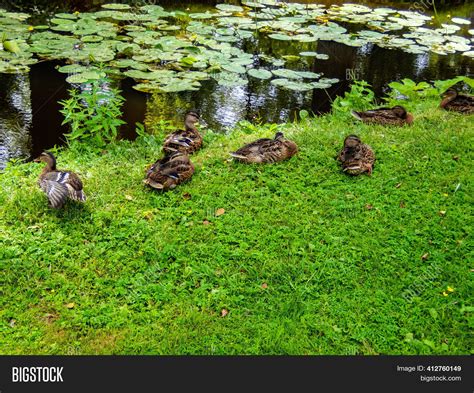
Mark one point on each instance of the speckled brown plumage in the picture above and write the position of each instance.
(185, 141)
(168, 172)
(396, 116)
(461, 103)
(266, 150)
(59, 185)
(356, 157)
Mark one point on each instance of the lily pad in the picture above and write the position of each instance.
(288, 74)
(229, 8)
(320, 56)
(232, 67)
(73, 68)
(84, 77)
(260, 73)
(461, 21)
(281, 37)
(115, 6)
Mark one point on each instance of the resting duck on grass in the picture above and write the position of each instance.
(168, 172)
(59, 185)
(396, 116)
(266, 150)
(356, 157)
(462, 103)
(186, 141)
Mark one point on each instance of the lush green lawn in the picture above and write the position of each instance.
(305, 259)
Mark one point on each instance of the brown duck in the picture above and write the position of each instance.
(168, 172)
(462, 103)
(186, 141)
(266, 150)
(396, 116)
(356, 157)
(57, 184)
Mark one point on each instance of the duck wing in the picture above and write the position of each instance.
(462, 103)
(254, 151)
(57, 181)
(57, 193)
(186, 141)
(169, 172)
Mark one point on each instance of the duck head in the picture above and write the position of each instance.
(48, 158)
(448, 96)
(352, 141)
(402, 113)
(191, 118)
(279, 135)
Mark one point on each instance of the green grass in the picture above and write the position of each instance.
(142, 274)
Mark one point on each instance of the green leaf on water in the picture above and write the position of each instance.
(84, 77)
(288, 74)
(229, 8)
(231, 67)
(114, 6)
(11, 46)
(260, 73)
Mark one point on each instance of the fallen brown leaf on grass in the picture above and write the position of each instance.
(220, 212)
(402, 204)
(148, 215)
(187, 195)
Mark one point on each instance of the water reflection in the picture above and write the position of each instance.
(30, 120)
(15, 117)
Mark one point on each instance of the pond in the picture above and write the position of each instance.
(30, 120)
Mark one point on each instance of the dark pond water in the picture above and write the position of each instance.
(30, 120)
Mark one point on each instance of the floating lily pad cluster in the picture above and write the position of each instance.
(14, 49)
(174, 51)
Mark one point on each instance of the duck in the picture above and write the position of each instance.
(169, 171)
(59, 184)
(356, 157)
(266, 150)
(453, 101)
(186, 141)
(396, 116)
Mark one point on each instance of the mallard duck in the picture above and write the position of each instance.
(186, 141)
(396, 116)
(168, 172)
(356, 157)
(58, 184)
(266, 150)
(453, 101)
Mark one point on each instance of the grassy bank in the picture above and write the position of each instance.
(304, 260)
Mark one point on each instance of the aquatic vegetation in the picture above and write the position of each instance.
(93, 112)
(170, 51)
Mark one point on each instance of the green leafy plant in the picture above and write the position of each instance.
(360, 97)
(413, 90)
(442, 86)
(410, 89)
(93, 114)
